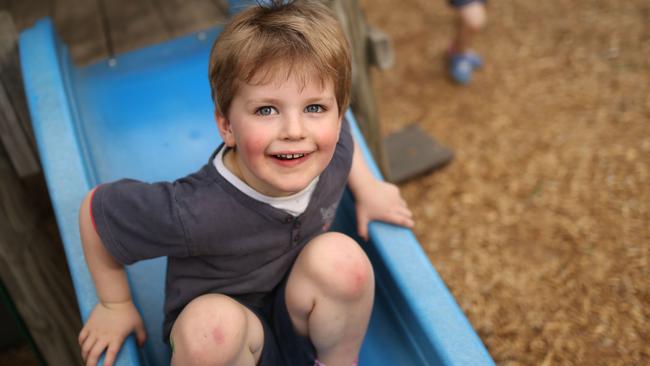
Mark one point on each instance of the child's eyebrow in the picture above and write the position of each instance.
(325, 99)
(263, 100)
(321, 99)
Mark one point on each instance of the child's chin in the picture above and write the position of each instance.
(289, 189)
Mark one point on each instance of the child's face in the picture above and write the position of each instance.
(284, 133)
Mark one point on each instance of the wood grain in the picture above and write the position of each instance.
(33, 267)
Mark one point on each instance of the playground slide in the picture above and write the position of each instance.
(148, 115)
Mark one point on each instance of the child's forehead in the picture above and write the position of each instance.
(278, 74)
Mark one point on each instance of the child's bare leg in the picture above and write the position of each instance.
(329, 297)
(216, 330)
(471, 19)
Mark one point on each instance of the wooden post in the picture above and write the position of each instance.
(32, 262)
(362, 99)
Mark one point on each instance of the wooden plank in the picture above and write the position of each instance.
(79, 25)
(14, 139)
(223, 7)
(411, 153)
(184, 16)
(133, 24)
(15, 130)
(9, 57)
(25, 13)
(33, 267)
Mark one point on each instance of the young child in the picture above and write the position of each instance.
(253, 275)
(471, 18)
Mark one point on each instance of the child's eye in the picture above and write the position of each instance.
(314, 108)
(265, 111)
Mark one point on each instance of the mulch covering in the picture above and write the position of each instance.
(541, 225)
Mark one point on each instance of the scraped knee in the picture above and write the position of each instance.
(211, 330)
(339, 266)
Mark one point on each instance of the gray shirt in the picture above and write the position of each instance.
(216, 238)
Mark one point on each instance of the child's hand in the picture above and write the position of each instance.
(379, 200)
(107, 327)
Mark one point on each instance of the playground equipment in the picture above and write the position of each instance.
(147, 114)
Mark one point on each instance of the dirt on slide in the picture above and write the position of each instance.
(541, 225)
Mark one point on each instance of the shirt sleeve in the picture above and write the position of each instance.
(137, 220)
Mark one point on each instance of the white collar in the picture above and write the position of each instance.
(294, 204)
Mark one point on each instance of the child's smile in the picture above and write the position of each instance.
(291, 159)
(283, 132)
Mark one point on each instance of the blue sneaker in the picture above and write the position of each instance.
(461, 66)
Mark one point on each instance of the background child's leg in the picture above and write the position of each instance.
(329, 297)
(216, 330)
(471, 19)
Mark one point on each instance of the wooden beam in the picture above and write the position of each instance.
(187, 16)
(412, 153)
(25, 13)
(362, 99)
(15, 129)
(133, 24)
(33, 267)
(79, 25)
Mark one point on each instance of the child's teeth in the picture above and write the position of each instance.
(290, 156)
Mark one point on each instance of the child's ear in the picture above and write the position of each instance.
(225, 129)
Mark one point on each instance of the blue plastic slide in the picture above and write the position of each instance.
(148, 115)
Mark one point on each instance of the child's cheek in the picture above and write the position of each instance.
(329, 139)
(255, 147)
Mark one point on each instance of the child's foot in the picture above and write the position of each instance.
(461, 66)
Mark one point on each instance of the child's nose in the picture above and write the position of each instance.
(293, 127)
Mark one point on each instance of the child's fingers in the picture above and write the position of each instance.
(395, 215)
(95, 352)
(140, 334)
(362, 225)
(402, 202)
(87, 345)
(407, 217)
(82, 335)
(111, 352)
(363, 231)
(405, 211)
(407, 222)
(402, 217)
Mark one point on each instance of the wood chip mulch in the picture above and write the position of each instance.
(541, 225)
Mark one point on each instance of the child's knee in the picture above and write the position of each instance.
(340, 266)
(211, 330)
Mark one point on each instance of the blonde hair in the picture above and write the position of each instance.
(298, 37)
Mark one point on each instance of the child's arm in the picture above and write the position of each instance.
(115, 316)
(375, 199)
